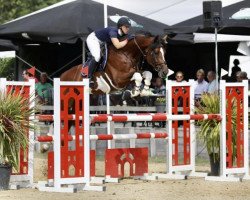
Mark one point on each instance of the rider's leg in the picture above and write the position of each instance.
(147, 82)
(92, 65)
(138, 80)
(95, 50)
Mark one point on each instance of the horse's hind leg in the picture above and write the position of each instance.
(138, 80)
(147, 82)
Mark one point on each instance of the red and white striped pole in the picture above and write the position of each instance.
(137, 117)
(109, 137)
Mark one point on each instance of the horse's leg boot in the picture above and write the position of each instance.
(147, 82)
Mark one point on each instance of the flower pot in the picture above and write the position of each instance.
(5, 172)
(160, 107)
(214, 165)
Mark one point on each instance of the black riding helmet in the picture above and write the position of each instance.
(123, 21)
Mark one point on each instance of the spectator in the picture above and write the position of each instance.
(159, 86)
(201, 85)
(179, 76)
(235, 69)
(240, 76)
(212, 86)
(44, 90)
(26, 76)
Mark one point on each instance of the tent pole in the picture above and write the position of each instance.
(83, 51)
(110, 143)
(216, 60)
(105, 14)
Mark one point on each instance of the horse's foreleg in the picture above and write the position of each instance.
(138, 80)
(147, 82)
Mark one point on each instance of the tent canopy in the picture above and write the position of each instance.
(183, 32)
(68, 22)
(7, 45)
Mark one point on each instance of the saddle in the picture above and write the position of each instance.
(100, 66)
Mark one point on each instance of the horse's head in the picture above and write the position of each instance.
(155, 56)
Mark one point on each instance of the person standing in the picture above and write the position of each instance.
(201, 85)
(211, 77)
(235, 69)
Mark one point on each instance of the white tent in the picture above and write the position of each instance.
(169, 12)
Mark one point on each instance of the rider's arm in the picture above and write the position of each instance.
(118, 44)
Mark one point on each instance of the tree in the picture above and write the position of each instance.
(7, 66)
(11, 10)
(16, 8)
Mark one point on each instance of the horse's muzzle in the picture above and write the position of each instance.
(162, 70)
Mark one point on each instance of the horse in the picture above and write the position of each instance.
(123, 66)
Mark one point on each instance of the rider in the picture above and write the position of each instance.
(110, 35)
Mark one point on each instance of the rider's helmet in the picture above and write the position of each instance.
(123, 21)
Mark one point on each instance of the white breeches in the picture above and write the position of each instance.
(94, 46)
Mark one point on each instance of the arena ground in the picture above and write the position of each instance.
(129, 189)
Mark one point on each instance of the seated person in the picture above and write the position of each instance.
(27, 76)
(159, 86)
(179, 76)
(44, 90)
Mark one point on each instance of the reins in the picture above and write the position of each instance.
(144, 55)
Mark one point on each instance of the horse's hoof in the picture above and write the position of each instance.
(147, 93)
(135, 93)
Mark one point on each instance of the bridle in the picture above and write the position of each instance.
(144, 55)
(157, 66)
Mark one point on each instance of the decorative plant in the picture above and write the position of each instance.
(160, 100)
(15, 122)
(209, 130)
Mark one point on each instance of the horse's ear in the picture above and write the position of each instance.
(164, 39)
(156, 39)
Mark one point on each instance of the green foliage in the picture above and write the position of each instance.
(160, 100)
(15, 122)
(16, 8)
(7, 66)
(210, 129)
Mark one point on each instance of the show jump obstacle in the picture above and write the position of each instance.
(24, 176)
(77, 167)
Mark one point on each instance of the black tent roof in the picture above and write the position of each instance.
(67, 23)
(183, 32)
(7, 45)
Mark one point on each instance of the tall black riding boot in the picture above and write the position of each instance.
(92, 67)
(91, 64)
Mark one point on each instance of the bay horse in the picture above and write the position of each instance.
(123, 66)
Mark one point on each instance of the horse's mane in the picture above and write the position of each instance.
(141, 33)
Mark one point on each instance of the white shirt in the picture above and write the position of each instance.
(200, 88)
(211, 87)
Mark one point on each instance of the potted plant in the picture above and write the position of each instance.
(160, 104)
(15, 122)
(209, 130)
